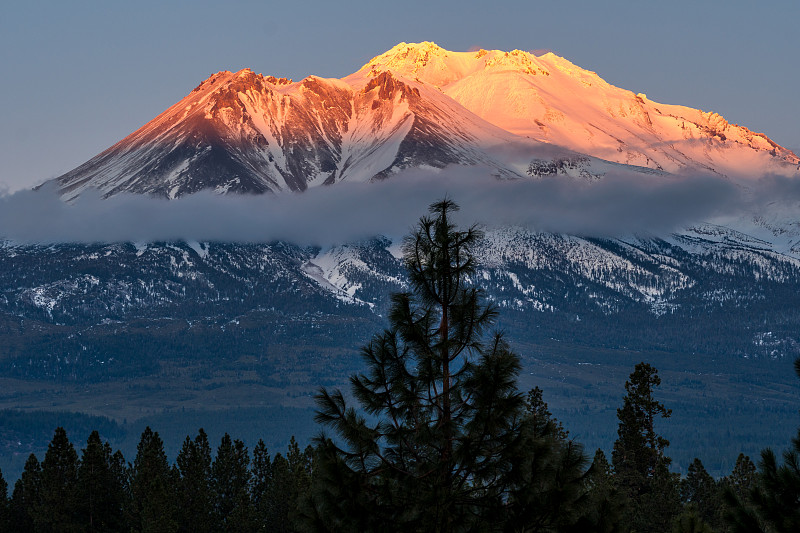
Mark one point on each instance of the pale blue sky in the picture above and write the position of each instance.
(78, 76)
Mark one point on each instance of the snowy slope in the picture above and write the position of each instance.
(417, 106)
(708, 279)
(550, 99)
(246, 133)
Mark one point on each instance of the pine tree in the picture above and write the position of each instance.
(99, 489)
(777, 496)
(774, 501)
(700, 490)
(230, 477)
(26, 498)
(552, 491)
(281, 497)
(5, 505)
(121, 474)
(542, 420)
(445, 443)
(260, 481)
(195, 497)
(57, 510)
(607, 506)
(743, 478)
(640, 465)
(300, 463)
(152, 502)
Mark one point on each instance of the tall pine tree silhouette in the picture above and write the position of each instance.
(195, 497)
(641, 466)
(27, 496)
(100, 496)
(444, 442)
(153, 501)
(230, 480)
(58, 509)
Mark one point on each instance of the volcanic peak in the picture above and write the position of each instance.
(432, 64)
(416, 105)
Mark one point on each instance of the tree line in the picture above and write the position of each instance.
(441, 440)
(238, 491)
(100, 491)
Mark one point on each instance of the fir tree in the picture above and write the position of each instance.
(100, 490)
(290, 480)
(640, 465)
(281, 496)
(700, 490)
(607, 505)
(195, 497)
(230, 475)
(743, 478)
(5, 505)
(57, 510)
(26, 498)
(260, 482)
(540, 417)
(121, 474)
(300, 464)
(152, 503)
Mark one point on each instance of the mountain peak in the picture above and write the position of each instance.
(416, 105)
(419, 53)
(409, 59)
(432, 64)
(245, 76)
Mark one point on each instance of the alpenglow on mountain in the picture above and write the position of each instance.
(418, 106)
(235, 328)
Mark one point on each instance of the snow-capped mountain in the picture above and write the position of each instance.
(550, 99)
(245, 133)
(235, 320)
(514, 114)
(417, 106)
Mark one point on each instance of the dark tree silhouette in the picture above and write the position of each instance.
(701, 496)
(230, 479)
(153, 501)
(101, 495)
(445, 442)
(58, 504)
(640, 464)
(5, 505)
(772, 504)
(26, 499)
(195, 496)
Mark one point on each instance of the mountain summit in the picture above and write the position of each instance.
(550, 99)
(417, 106)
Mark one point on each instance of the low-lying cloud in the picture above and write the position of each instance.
(346, 212)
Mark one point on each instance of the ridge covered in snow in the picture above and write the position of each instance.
(550, 99)
(418, 106)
